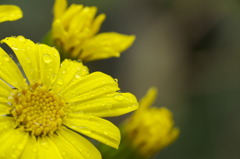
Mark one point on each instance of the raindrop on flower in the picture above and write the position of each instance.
(47, 58)
(119, 97)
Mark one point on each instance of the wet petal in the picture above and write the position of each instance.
(9, 71)
(94, 127)
(10, 13)
(30, 150)
(72, 145)
(6, 123)
(49, 61)
(69, 72)
(89, 87)
(5, 92)
(107, 106)
(46, 149)
(12, 143)
(39, 61)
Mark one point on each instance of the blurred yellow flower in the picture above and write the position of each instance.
(43, 115)
(10, 13)
(74, 31)
(151, 129)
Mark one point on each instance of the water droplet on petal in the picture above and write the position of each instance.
(119, 97)
(77, 76)
(47, 58)
(21, 38)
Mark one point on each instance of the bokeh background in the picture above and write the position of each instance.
(189, 49)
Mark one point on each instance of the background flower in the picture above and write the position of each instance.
(74, 32)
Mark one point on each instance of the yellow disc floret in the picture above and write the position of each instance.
(37, 110)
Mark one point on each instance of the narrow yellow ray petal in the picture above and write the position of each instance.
(106, 45)
(69, 72)
(148, 99)
(6, 124)
(107, 106)
(81, 144)
(49, 61)
(94, 127)
(12, 143)
(91, 86)
(30, 150)
(5, 92)
(59, 8)
(27, 54)
(73, 145)
(47, 149)
(39, 61)
(9, 71)
(10, 13)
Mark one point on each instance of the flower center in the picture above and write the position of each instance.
(37, 110)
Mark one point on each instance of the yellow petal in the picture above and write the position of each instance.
(49, 61)
(96, 25)
(69, 72)
(46, 149)
(89, 87)
(27, 54)
(12, 143)
(30, 150)
(148, 99)
(5, 92)
(71, 12)
(82, 20)
(94, 127)
(4, 109)
(59, 8)
(106, 45)
(6, 124)
(73, 145)
(9, 71)
(10, 13)
(39, 61)
(58, 30)
(107, 106)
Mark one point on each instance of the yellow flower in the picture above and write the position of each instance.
(151, 129)
(10, 13)
(43, 115)
(75, 29)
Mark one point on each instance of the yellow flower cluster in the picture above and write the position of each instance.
(150, 128)
(75, 29)
(48, 103)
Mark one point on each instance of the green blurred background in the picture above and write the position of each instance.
(189, 49)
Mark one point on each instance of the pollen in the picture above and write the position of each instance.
(37, 110)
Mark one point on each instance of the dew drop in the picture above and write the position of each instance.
(77, 76)
(21, 39)
(47, 58)
(116, 80)
(105, 132)
(119, 97)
